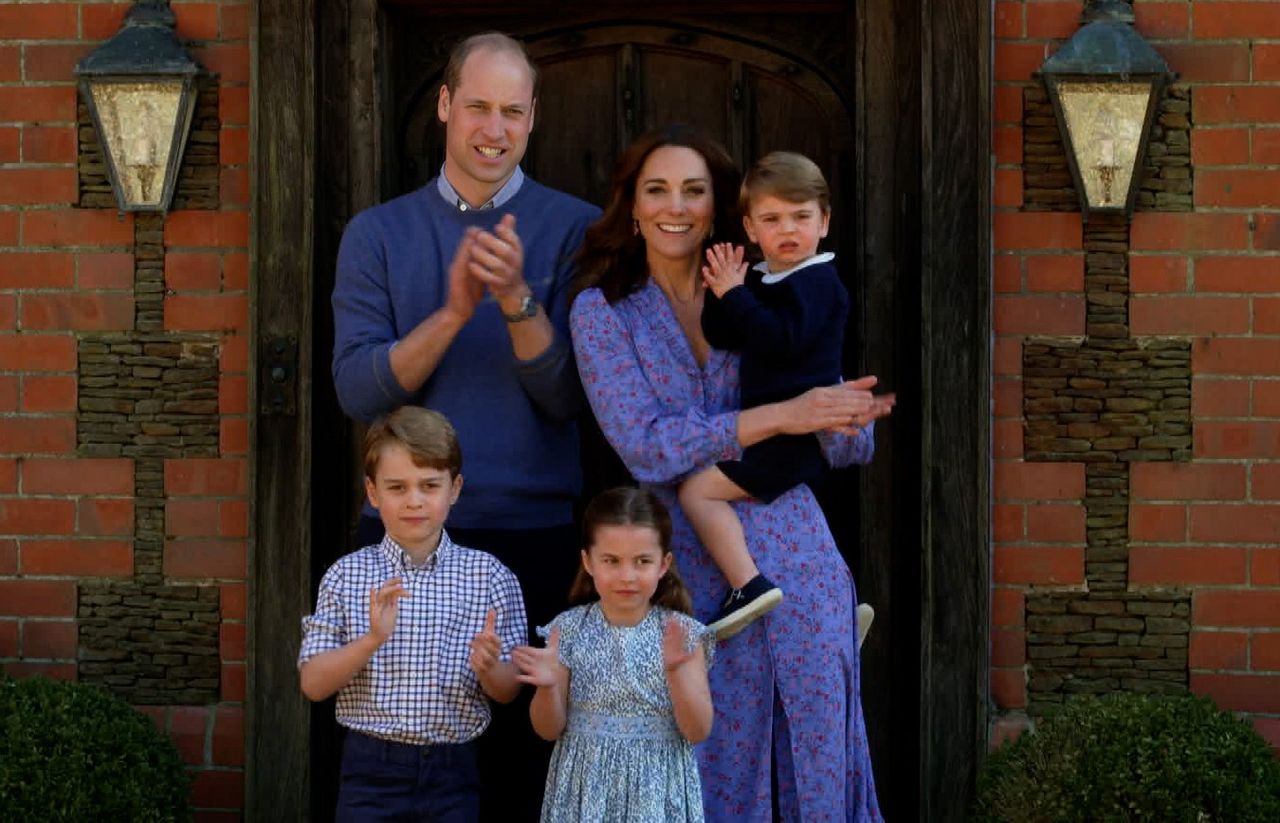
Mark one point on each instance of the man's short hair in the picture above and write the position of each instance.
(427, 435)
(492, 41)
(788, 176)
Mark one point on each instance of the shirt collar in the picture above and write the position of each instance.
(508, 191)
(400, 560)
(779, 276)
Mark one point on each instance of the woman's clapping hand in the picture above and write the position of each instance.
(846, 408)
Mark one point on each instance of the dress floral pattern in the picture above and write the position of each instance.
(789, 684)
(621, 758)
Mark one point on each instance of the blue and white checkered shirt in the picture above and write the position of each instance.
(418, 687)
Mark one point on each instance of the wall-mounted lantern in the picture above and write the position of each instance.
(1106, 83)
(140, 89)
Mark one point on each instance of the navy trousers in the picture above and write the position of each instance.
(385, 780)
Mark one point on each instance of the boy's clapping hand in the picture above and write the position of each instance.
(384, 607)
(486, 648)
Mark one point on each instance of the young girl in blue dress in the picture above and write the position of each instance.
(622, 682)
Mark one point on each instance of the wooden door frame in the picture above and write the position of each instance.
(926, 68)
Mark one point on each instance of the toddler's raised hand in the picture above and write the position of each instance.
(539, 667)
(486, 648)
(725, 268)
(384, 607)
(675, 645)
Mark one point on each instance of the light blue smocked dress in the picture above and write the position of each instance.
(621, 756)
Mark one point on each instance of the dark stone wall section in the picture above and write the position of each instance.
(1100, 642)
(1106, 400)
(149, 395)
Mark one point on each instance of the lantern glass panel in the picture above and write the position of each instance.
(137, 122)
(1105, 120)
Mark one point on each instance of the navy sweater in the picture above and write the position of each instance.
(790, 332)
(514, 419)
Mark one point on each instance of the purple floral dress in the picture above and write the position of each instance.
(789, 682)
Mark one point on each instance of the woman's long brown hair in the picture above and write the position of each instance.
(629, 506)
(613, 255)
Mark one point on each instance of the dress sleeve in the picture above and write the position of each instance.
(658, 443)
(568, 623)
(847, 450)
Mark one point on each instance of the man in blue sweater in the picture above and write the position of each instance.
(453, 297)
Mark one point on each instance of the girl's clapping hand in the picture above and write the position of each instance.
(675, 645)
(539, 667)
(486, 648)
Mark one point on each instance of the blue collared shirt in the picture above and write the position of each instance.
(508, 191)
(418, 687)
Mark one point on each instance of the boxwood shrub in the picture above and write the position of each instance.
(70, 751)
(1133, 757)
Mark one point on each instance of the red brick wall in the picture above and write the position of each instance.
(65, 271)
(1213, 275)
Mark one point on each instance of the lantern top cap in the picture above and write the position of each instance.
(146, 44)
(1106, 44)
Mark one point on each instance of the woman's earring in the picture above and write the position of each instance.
(635, 227)
(711, 234)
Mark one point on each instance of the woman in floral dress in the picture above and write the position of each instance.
(786, 689)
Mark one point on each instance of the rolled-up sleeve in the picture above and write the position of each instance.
(327, 629)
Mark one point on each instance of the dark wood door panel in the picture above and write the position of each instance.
(603, 83)
(577, 130)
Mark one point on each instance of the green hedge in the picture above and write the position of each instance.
(1133, 757)
(73, 752)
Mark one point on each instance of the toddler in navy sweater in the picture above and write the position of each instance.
(787, 317)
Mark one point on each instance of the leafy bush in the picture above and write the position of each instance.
(70, 751)
(1132, 757)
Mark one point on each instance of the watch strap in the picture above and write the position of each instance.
(528, 308)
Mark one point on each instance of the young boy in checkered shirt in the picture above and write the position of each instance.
(414, 634)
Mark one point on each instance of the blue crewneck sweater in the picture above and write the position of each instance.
(515, 419)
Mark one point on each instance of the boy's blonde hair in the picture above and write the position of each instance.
(427, 435)
(788, 176)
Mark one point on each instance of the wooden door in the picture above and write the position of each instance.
(891, 99)
(757, 82)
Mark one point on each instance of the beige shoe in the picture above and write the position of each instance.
(865, 615)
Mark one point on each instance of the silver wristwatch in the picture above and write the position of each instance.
(528, 308)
